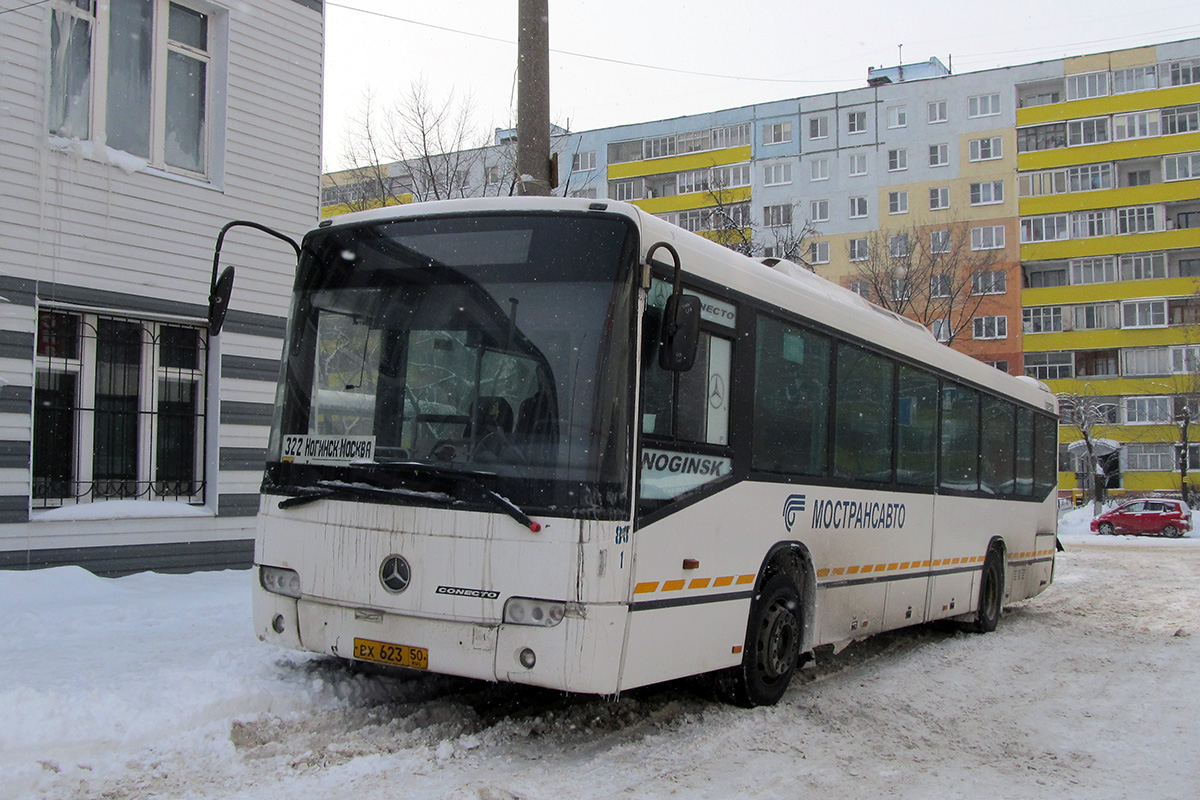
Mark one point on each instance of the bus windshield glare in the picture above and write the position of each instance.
(495, 347)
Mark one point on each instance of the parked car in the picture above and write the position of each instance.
(1146, 517)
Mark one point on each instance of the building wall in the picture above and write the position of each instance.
(91, 231)
(1098, 267)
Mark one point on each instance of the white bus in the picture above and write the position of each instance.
(564, 443)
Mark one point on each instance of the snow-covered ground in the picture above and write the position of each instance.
(152, 686)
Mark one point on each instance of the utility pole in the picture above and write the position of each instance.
(533, 97)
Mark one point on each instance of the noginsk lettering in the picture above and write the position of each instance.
(682, 464)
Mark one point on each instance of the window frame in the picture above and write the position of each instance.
(163, 47)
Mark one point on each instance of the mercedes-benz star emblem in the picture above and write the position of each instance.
(395, 574)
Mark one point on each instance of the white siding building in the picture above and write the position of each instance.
(130, 132)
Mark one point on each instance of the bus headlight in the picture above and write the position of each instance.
(280, 581)
(527, 611)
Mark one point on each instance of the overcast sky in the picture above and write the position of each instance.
(748, 50)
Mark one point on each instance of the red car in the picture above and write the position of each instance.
(1153, 517)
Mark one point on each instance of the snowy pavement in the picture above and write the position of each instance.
(153, 686)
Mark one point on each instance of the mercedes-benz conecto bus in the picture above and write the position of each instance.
(565, 443)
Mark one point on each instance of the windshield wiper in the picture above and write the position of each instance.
(458, 478)
(455, 478)
(353, 490)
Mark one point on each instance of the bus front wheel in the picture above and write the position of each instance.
(772, 647)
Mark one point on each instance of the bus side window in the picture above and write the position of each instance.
(917, 428)
(862, 433)
(791, 399)
(960, 438)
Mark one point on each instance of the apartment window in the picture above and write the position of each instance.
(1144, 314)
(1101, 269)
(1042, 137)
(1185, 360)
(990, 327)
(1183, 73)
(820, 169)
(897, 202)
(818, 128)
(118, 410)
(1037, 184)
(819, 211)
(731, 136)
(941, 329)
(1087, 131)
(858, 207)
(1135, 126)
(1097, 317)
(899, 245)
(1088, 224)
(939, 155)
(1137, 219)
(939, 198)
(583, 161)
(987, 193)
(1148, 457)
(1089, 177)
(1091, 84)
(1181, 167)
(858, 251)
(939, 242)
(157, 61)
(729, 177)
(1045, 277)
(988, 237)
(659, 147)
(777, 132)
(861, 288)
(693, 181)
(1137, 177)
(984, 105)
(777, 216)
(1042, 319)
(1134, 79)
(1000, 365)
(897, 160)
(1181, 119)
(1096, 364)
(940, 285)
(1146, 361)
(989, 282)
(587, 194)
(901, 290)
(858, 164)
(1143, 266)
(936, 111)
(986, 149)
(777, 174)
(1050, 228)
(818, 252)
(628, 190)
(1148, 410)
(897, 117)
(856, 122)
(1050, 366)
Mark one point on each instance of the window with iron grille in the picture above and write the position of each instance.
(119, 409)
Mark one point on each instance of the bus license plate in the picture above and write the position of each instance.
(397, 655)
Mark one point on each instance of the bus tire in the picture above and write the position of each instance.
(991, 593)
(772, 648)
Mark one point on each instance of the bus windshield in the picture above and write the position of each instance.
(493, 346)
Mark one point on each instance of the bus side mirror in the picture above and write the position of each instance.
(680, 333)
(218, 301)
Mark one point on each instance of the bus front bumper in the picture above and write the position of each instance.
(582, 653)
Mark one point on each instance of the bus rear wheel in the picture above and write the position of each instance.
(772, 648)
(991, 593)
